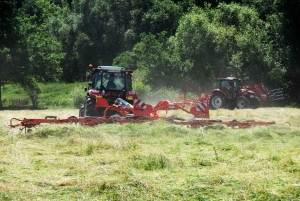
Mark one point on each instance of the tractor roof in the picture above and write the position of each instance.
(111, 69)
(228, 78)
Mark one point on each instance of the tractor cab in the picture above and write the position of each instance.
(229, 86)
(111, 78)
(109, 84)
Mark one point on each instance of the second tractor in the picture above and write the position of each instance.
(232, 93)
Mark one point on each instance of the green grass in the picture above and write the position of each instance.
(53, 95)
(153, 160)
(60, 95)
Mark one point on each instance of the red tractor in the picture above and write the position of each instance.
(109, 85)
(232, 93)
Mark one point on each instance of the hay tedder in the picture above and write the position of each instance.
(116, 103)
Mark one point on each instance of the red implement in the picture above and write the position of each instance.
(141, 112)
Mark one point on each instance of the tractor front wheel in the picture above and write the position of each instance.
(81, 110)
(216, 101)
(89, 107)
(242, 102)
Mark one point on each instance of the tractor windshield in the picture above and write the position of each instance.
(237, 83)
(113, 81)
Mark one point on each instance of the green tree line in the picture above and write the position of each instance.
(170, 43)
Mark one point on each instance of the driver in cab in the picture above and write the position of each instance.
(111, 84)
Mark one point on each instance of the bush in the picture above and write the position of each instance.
(142, 90)
(76, 96)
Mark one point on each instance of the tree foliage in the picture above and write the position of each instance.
(209, 43)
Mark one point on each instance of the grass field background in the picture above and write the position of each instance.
(152, 161)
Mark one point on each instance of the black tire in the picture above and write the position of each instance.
(89, 107)
(73, 119)
(256, 103)
(81, 110)
(216, 101)
(242, 102)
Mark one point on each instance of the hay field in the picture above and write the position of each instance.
(152, 160)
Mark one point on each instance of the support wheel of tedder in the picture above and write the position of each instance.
(216, 101)
(242, 102)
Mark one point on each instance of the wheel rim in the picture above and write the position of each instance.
(217, 102)
(241, 104)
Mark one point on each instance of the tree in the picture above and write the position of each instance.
(209, 43)
(153, 17)
(35, 54)
(228, 40)
(290, 11)
(7, 22)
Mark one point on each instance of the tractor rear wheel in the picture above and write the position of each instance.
(242, 102)
(216, 101)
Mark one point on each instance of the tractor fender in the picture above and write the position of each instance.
(94, 93)
(216, 91)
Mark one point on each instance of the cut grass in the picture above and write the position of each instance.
(153, 160)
